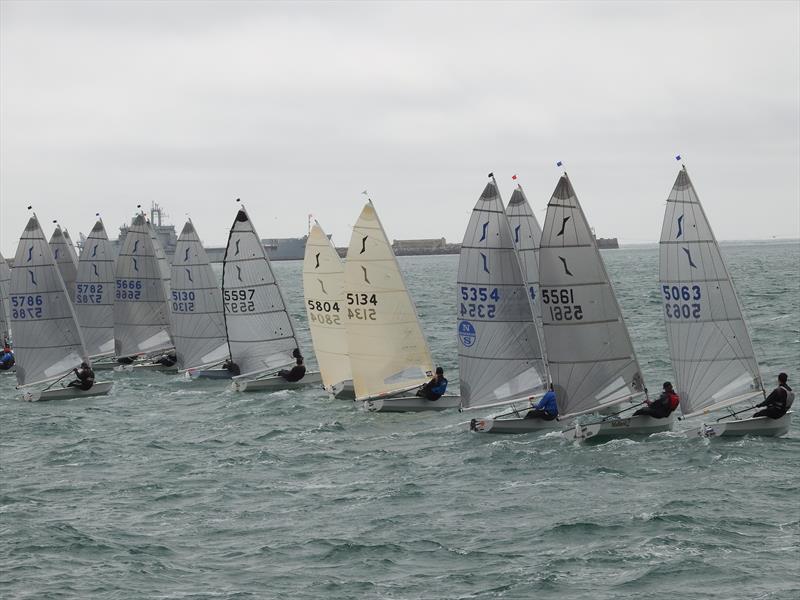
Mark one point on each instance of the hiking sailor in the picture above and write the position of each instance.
(779, 400)
(435, 388)
(297, 372)
(661, 407)
(85, 377)
(546, 409)
(6, 359)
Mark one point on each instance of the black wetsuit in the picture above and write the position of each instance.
(85, 379)
(167, 360)
(434, 389)
(232, 368)
(296, 373)
(776, 404)
(658, 409)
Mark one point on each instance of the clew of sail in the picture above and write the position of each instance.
(93, 293)
(64, 255)
(388, 350)
(710, 348)
(589, 351)
(499, 356)
(141, 308)
(47, 339)
(323, 289)
(260, 332)
(198, 326)
(5, 302)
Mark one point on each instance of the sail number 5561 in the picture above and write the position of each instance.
(562, 305)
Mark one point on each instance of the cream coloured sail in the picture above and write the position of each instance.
(388, 351)
(499, 356)
(527, 237)
(198, 326)
(5, 303)
(712, 355)
(591, 358)
(47, 338)
(261, 334)
(141, 308)
(94, 293)
(323, 290)
(64, 255)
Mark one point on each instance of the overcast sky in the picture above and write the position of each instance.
(296, 108)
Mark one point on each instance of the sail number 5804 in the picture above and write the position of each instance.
(562, 305)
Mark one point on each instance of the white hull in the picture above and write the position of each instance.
(411, 404)
(515, 425)
(208, 374)
(344, 390)
(104, 365)
(101, 388)
(275, 383)
(617, 428)
(145, 367)
(764, 426)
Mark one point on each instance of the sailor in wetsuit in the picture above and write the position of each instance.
(231, 367)
(663, 406)
(435, 388)
(7, 359)
(168, 359)
(546, 409)
(85, 377)
(297, 372)
(779, 400)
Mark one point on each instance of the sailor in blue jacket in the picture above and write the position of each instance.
(6, 359)
(546, 409)
(435, 388)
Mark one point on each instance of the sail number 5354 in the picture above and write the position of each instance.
(476, 302)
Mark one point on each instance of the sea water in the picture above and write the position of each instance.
(170, 488)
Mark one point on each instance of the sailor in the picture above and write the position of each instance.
(297, 372)
(663, 406)
(85, 377)
(168, 359)
(779, 400)
(7, 359)
(546, 409)
(126, 360)
(435, 388)
(231, 367)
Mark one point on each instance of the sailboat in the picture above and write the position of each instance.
(198, 325)
(260, 332)
(141, 298)
(48, 344)
(712, 356)
(5, 303)
(592, 361)
(66, 259)
(323, 291)
(500, 357)
(389, 355)
(94, 296)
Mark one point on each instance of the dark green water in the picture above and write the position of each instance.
(176, 489)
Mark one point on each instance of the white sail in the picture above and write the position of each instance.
(141, 308)
(527, 237)
(261, 334)
(47, 338)
(499, 357)
(5, 303)
(323, 290)
(388, 351)
(71, 248)
(712, 355)
(198, 326)
(94, 293)
(64, 254)
(589, 352)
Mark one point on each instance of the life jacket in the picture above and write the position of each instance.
(789, 397)
(673, 400)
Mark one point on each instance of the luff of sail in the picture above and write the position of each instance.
(198, 326)
(323, 291)
(94, 292)
(710, 347)
(47, 339)
(499, 357)
(63, 253)
(5, 302)
(141, 309)
(388, 350)
(589, 352)
(527, 237)
(71, 247)
(261, 335)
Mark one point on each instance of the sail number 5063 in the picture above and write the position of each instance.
(677, 301)
(562, 305)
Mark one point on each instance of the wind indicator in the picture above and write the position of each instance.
(678, 157)
(514, 177)
(559, 164)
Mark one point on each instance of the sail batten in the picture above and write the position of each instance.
(141, 295)
(388, 350)
(253, 304)
(49, 340)
(592, 361)
(500, 356)
(710, 348)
